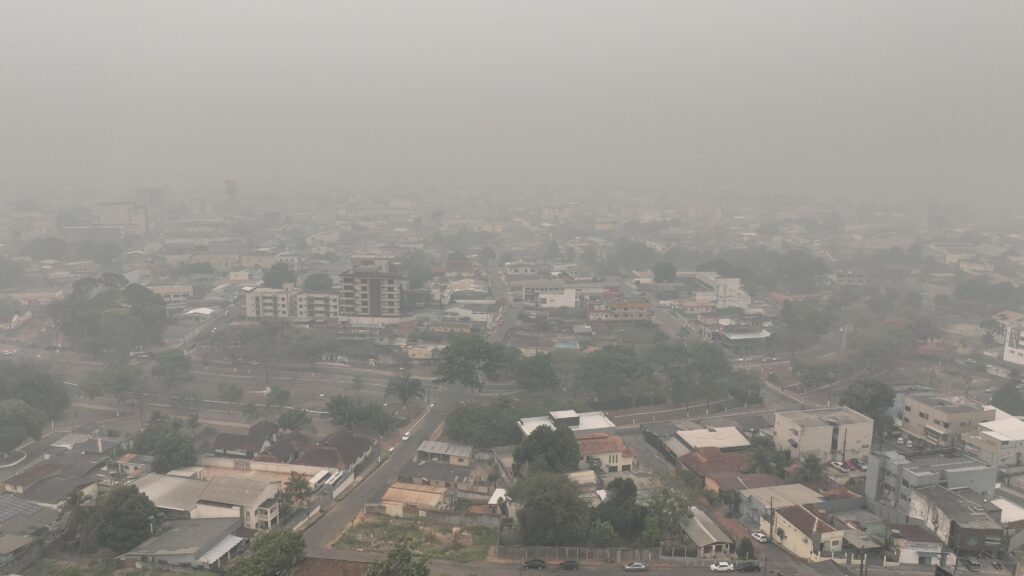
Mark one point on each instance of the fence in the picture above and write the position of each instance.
(559, 553)
(275, 467)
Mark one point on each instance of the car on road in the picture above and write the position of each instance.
(748, 566)
(723, 566)
(535, 564)
(406, 436)
(635, 567)
(569, 565)
(839, 466)
(759, 536)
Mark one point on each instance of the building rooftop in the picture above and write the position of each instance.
(822, 417)
(702, 529)
(783, 496)
(192, 537)
(414, 494)
(955, 405)
(588, 421)
(446, 448)
(710, 437)
(600, 443)
(19, 516)
(235, 491)
(1005, 430)
(964, 506)
(171, 492)
(807, 520)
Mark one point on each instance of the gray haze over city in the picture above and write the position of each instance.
(913, 100)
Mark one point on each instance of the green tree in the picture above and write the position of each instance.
(551, 513)
(278, 275)
(761, 459)
(547, 450)
(536, 373)
(405, 388)
(172, 367)
(272, 553)
(277, 397)
(297, 489)
(603, 373)
(467, 356)
(341, 410)
(745, 549)
(119, 380)
(811, 469)
(664, 272)
(35, 385)
(486, 255)
(251, 412)
(708, 368)
(602, 534)
(230, 392)
(162, 439)
(18, 422)
(873, 399)
(318, 282)
(193, 423)
(293, 419)
(484, 425)
(622, 510)
(12, 273)
(120, 521)
(1008, 399)
(400, 562)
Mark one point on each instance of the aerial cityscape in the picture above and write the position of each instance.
(473, 289)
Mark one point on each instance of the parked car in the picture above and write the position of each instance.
(723, 566)
(851, 464)
(406, 436)
(635, 567)
(748, 566)
(972, 564)
(535, 564)
(997, 564)
(569, 565)
(759, 536)
(859, 465)
(900, 441)
(839, 466)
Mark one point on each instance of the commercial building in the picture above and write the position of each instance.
(724, 438)
(724, 292)
(962, 519)
(575, 421)
(711, 541)
(804, 531)
(630, 309)
(892, 477)
(269, 303)
(445, 452)
(317, 306)
(173, 296)
(838, 433)
(999, 442)
(255, 502)
(940, 422)
(200, 544)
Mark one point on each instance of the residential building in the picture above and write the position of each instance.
(199, 544)
(940, 422)
(724, 292)
(342, 450)
(711, 541)
(837, 433)
(962, 519)
(520, 268)
(405, 499)
(605, 451)
(915, 546)
(175, 297)
(317, 306)
(576, 421)
(254, 501)
(1013, 345)
(892, 477)
(25, 528)
(370, 293)
(259, 438)
(758, 503)
(445, 452)
(627, 309)
(803, 531)
(999, 443)
(724, 438)
(270, 303)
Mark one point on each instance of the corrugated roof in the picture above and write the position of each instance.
(414, 494)
(702, 530)
(235, 491)
(445, 448)
(171, 492)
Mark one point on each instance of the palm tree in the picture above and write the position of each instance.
(342, 410)
(193, 423)
(405, 388)
(762, 460)
(811, 469)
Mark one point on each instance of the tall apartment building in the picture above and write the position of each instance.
(317, 306)
(270, 303)
(837, 433)
(940, 422)
(370, 288)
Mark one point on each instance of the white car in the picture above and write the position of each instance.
(635, 567)
(839, 466)
(722, 566)
(406, 436)
(760, 537)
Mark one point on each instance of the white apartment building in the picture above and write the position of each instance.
(317, 306)
(837, 433)
(1013, 346)
(999, 443)
(269, 303)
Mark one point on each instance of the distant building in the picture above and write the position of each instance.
(370, 288)
(724, 292)
(269, 303)
(892, 477)
(130, 217)
(317, 306)
(999, 443)
(445, 452)
(1013, 345)
(629, 309)
(962, 519)
(940, 422)
(724, 438)
(175, 297)
(605, 450)
(838, 433)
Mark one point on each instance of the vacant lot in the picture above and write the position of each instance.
(433, 541)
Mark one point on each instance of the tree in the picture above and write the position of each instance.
(172, 367)
(193, 422)
(109, 314)
(547, 450)
(603, 373)
(341, 410)
(293, 419)
(230, 392)
(664, 272)
(551, 513)
(535, 373)
(811, 469)
(120, 521)
(35, 385)
(602, 534)
(761, 460)
(278, 275)
(297, 489)
(467, 355)
(400, 562)
(318, 282)
(162, 439)
(45, 248)
(1008, 399)
(405, 388)
(271, 554)
(251, 412)
(873, 399)
(484, 425)
(745, 549)
(277, 397)
(18, 422)
(621, 509)
(120, 380)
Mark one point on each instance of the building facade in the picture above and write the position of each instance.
(940, 422)
(892, 477)
(838, 433)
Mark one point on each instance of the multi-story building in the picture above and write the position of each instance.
(940, 422)
(131, 217)
(837, 433)
(174, 296)
(892, 477)
(270, 303)
(725, 292)
(999, 443)
(543, 292)
(526, 269)
(620, 310)
(370, 288)
(964, 520)
(317, 306)
(1013, 345)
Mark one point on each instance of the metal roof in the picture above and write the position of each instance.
(432, 447)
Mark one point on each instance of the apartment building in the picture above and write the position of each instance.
(892, 477)
(370, 288)
(999, 443)
(270, 303)
(130, 217)
(621, 310)
(940, 422)
(838, 433)
(317, 306)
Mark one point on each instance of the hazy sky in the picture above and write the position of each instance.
(887, 97)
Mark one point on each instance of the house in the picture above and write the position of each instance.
(757, 503)
(963, 520)
(405, 499)
(201, 544)
(469, 482)
(25, 528)
(445, 452)
(724, 438)
(915, 545)
(711, 541)
(837, 433)
(286, 448)
(605, 451)
(49, 482)
(130, 466)
(342, 450)
(803, 531)
(259, 438)
(575, 421)
(726, 481)
(705, 461)
(255, 502)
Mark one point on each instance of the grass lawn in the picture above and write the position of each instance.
(380, 534)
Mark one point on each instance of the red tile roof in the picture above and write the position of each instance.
(704, 461)
(26, 478)
(729, 480)
(601, 443)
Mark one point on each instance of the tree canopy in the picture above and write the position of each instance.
(405, 388)
(400, 562)
(110, 314)
(664, 272)
(172, 367)
(467, 355)
(278, 275)
(873, 399)
(18, 422)
(272, 553)
(120, 520)
(547, 450)
(1008, 399)
(484, 425)
(535, 373)
(35, 385)
(318, 282)
(551, 513)
(293, 419)
(162, 439)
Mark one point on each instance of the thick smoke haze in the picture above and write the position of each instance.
(919, 99)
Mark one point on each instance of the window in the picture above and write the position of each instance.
(906, 408)
(922, 415)
(945, 424)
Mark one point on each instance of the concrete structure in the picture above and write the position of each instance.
(255, 502)
(630, 309)
(962, 519)
(915, 546)
(190, 544)
(804, 531)
(711, 541)
(999, 442)
(317, 306)
(940, 422)
(404, 499)
(445, 452)
(724, 292)
(564, 298)
(130, 217)
(576, 421)
(174, 297)
(724, 438)
(1013, 345)
(370, 293)
(269, 303)
(837, 433)
(606, 451)
(892, 477)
